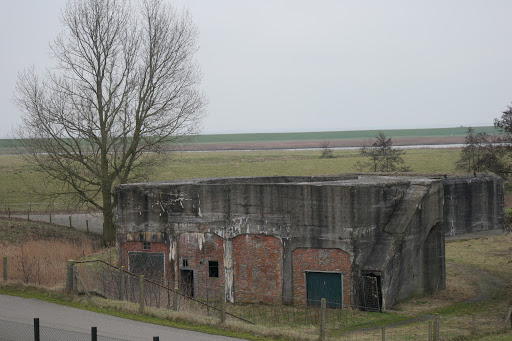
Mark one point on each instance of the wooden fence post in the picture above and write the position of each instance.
(69, 276)
(87, 226)
(436, 328)
(175, 300)
(141, 294)
(508, 319)
(222, 304)
(5, 268)
(430, 327)
(50, 217)
(121, 283)
(383, 333)
(323, 308)
(70, 225)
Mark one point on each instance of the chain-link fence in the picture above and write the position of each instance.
(15, 331)
(340, 322)
(99, 278)
(343, 322)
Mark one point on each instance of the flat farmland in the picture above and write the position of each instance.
(263, 154)
(355, 138)
(298, 140)
(20, 181)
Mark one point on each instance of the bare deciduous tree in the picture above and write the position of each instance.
(382, 156)
(483, 153)
(472, 153)
(327, 152)
(123, 88)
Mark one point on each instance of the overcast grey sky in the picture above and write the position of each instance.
(318, 65)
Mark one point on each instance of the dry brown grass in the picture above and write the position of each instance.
(43, 262)
(491, 254)
(458, 288)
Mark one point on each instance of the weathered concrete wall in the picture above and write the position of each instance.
(382, 224)
(473, 204)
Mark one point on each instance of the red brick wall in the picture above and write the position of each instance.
(257, 261)
(212, 249)
(335, 260)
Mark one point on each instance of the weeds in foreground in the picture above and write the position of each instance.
(43, 262)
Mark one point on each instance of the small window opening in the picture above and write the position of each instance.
(185, 262)
(213, 268)
(146, 246)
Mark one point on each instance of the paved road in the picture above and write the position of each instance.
(80, 221)
(75, 324)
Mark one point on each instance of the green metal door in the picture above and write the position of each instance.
(324, 285)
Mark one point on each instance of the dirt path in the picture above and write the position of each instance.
(487, 283)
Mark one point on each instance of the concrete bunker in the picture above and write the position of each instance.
(372, 239)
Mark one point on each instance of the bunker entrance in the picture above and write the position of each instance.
(372, 292)
(187, 282)
(326, 285)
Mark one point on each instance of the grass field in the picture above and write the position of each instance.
(20, 180)
(339, 135)
(7, 145)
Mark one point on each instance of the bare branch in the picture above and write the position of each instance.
(124, 84)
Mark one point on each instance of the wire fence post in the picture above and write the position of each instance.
(50, 217)
(430, 327)
(5, 269)
(175, 300)
(508, 318)
(9, 212)
(36, 329)
(323, 307)
(94, 333)
(69, 276)
(436, 328)
(87, 226)
(121, 283)
(141, 294)
(222, 305)
(383, 332)
(70, 225)
(156, 338)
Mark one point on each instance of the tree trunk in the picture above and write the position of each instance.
(109, 231)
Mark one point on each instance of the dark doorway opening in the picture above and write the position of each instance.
(372, 292)
(326, 285)
(187, 282)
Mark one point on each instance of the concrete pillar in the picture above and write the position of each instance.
(229, 272)
(287, 277)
